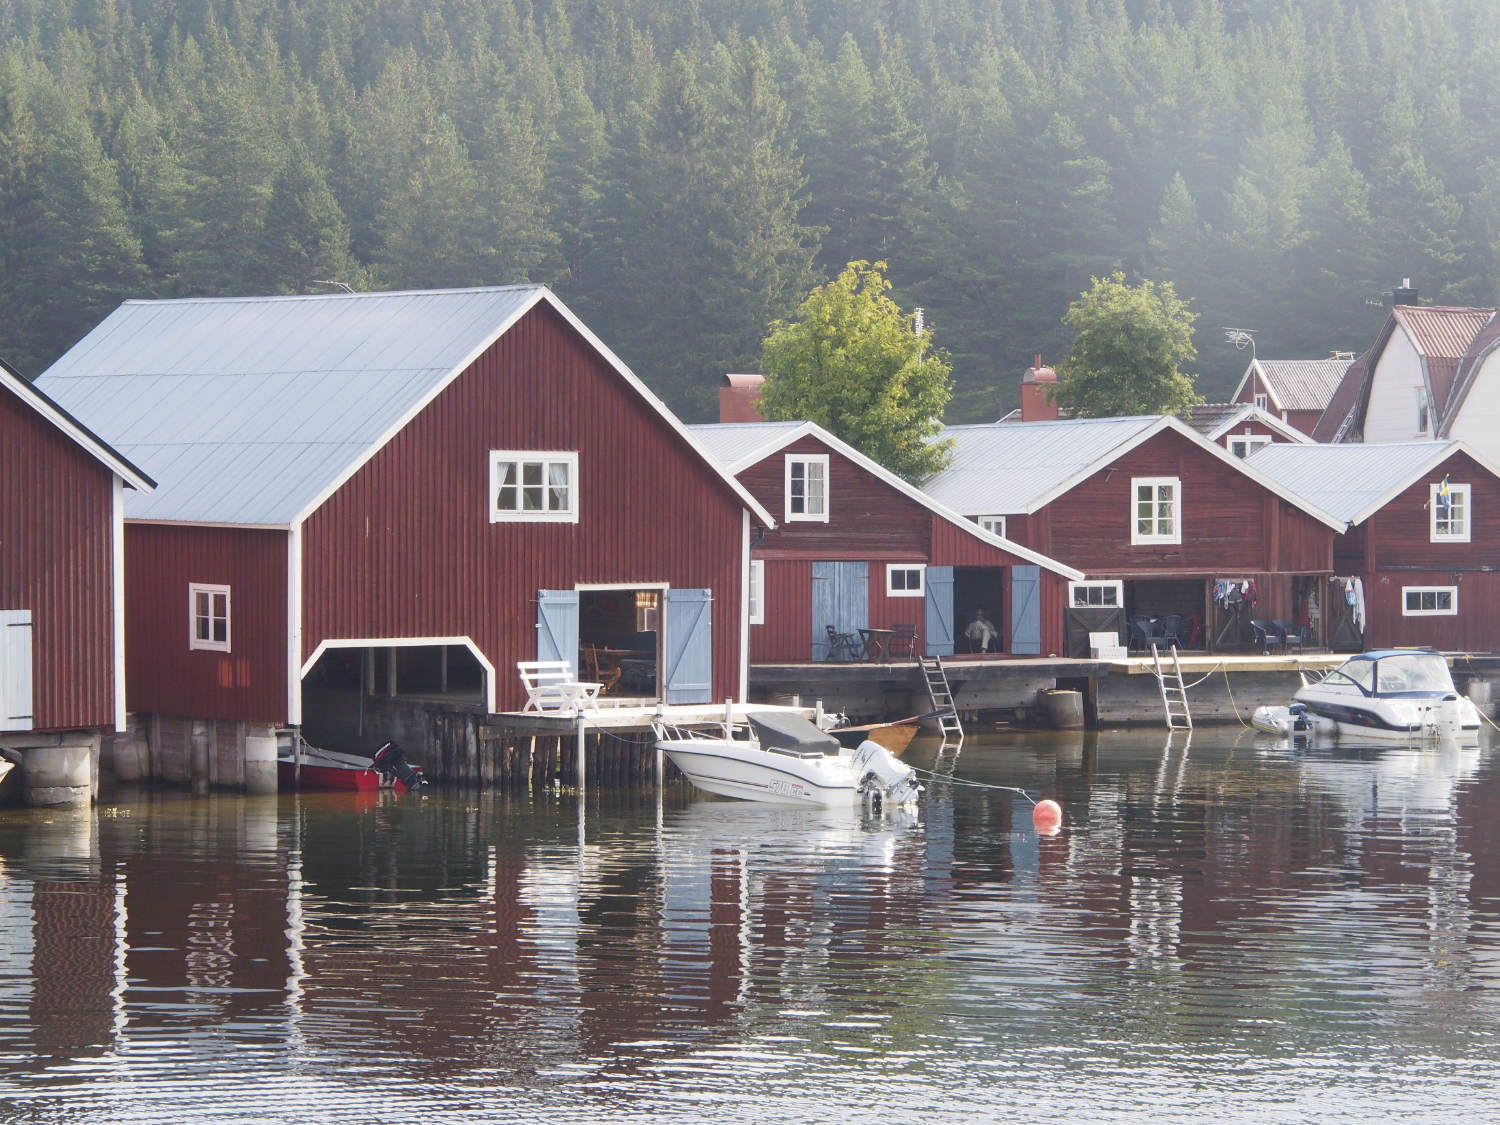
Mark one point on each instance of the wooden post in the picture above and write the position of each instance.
(582, 759)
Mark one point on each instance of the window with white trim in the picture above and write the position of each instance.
(1262, 400)
(1245, 444)
(527, 485)
(1449, 505)
(995, 525)
(1421, 410)
(1156, 510)
(757, 591)
(905, 580)
(1089, 595)
(807, 487)
(1429, 601)
(208, 617)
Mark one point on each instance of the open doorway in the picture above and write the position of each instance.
(619, 637)
(977, 588)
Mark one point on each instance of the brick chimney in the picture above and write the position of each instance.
(739, 398)
(1035, 386)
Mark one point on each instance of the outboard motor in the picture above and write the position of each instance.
(883, 778)
(390, 760)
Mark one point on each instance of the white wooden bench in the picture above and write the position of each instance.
(551, 686)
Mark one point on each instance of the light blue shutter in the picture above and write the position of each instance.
(1026, 610)
(689, 646)
(15, 669)
(841, 598)
(557, 626)
(937, 634)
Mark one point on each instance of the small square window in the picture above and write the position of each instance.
(757, 592)
(533, 486)
(807, 488)
(1261, 400)
(904, 581)
(1156, 511)
(1246, 444)
(995, 525)
(1429, 601)
(1449, 508)
(208, 617)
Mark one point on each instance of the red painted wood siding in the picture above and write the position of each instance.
(952, 547)
(1230, 524)
(786, 635)
(164, 676)
(1402, 530)
(1473, 629)
(405, 548)
(56, 560)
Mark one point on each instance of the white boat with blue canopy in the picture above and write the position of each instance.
(1387, 695)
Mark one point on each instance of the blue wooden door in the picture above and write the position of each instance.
(937, 632)
(557, 626)
(689, 646)
(15, 669)
(1026, 610)
(841, 598)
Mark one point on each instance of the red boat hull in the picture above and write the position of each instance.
(326, 777)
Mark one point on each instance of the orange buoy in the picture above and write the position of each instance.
(1046, 817)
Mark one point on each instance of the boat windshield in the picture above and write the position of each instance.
(1413, 671)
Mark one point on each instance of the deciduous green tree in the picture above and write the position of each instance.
(852, 362)
(1127, 355)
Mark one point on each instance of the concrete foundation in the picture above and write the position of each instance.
(56, 768)
(260, 759)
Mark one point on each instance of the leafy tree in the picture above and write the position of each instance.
(852, 363)
(1125, 359)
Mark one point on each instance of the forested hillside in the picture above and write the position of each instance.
(682, 172)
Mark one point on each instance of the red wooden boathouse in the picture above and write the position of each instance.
(856, 548)
(1165, 523)
(385, 495)
(62, 635)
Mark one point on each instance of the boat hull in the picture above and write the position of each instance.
(736, 769)
(314, 776)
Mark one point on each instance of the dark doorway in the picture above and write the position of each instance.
(979, 587)
(618, 631)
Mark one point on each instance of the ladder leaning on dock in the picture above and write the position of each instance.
(1173, 694)
(941, 695)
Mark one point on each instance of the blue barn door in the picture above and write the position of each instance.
(557, 626)
(1026, 610)
(689, 646)
(15, 670)
(841, 598)
(937, 632)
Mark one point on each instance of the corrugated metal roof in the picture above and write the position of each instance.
(1473, 360)
(1441, 331)
(734, 445)
(1351, 480)
(1302, 384)
(1345, 401)
(246, 409)
(1002, 469)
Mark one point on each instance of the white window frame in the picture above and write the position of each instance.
(1116, 587)
(757, 592)
(1463, 506)
(805, 461)
(209, 644)
(1422, 414)
(547, 460)
(1137, 536)
(917, 591)
(995, 525)
(1247, 443)
(1262, 400)
(1437, 609)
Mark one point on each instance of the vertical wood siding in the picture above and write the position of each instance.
(165, 677)
(406, 549)
(56, 560)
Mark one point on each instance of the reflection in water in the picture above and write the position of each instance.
(1225, 925)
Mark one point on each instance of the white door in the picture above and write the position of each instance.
(15, 669)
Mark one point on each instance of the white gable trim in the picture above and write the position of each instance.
(1253, 413)
(1441, 451)
(402, 642)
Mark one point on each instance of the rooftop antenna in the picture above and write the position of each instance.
(1241, 338)
(336, 284)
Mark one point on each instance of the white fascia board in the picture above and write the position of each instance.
(89, 442)
(407, 642)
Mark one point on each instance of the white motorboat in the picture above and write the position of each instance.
(786, 760)
(1388, 695)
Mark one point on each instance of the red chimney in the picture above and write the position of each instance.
(739, 398)
(1035, 387)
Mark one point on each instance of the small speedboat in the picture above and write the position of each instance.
(1389, 695)
(786, 760)
(299, 764)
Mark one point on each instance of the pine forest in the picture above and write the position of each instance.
(684, 172)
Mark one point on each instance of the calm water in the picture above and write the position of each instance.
(1222, 928)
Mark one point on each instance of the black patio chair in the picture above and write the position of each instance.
(1266, 634)
(1293, 636)
(843, 646)
(1171, 629)
(1145, 632)
(903, 642)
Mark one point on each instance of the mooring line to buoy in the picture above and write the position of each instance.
(951, 780)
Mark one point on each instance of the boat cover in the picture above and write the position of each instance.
(792, 732)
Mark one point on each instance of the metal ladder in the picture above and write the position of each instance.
(941, 695)
(1173, 694)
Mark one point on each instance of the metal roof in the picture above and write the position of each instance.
(1351, 480)
(737, 445)
(1002, 469)
(251, 410)
(1302, 384)
(1215, 419)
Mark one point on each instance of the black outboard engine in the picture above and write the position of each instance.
(390, 760)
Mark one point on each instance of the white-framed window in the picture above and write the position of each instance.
(1429, 601)
(757, 591)
(1156, 510)
(1242, 445)
(1083, 595)
(531, 485)
(995, 525)
(1262, 400)
(1449, 505)
(1421, 410)
(807, 487)
(208, 617)
(905, 580)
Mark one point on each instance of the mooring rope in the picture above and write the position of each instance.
(1232, 705)
(951, 780)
